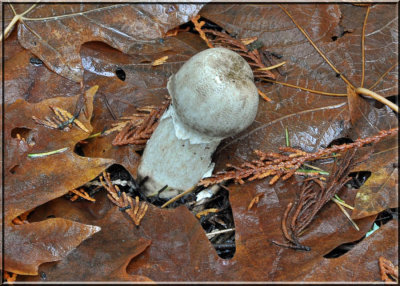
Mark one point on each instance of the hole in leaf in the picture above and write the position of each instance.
(359, 178)
(386, 216)
(22, 133)
(392, 98)
(342, 249)
(36, 61)
(13, 169)
(340, 141)
(334, 38)
(120, 73)
(79, 150)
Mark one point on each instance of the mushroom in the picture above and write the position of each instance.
(213, 97)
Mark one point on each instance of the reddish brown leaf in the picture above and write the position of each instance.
(105, 256)
(31, 182)
(123, 26)
(361, 262)
(379, 192)
(29, 245)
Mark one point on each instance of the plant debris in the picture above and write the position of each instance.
(253, 56)
(140, 133)
(63, 120)
(389, 272)
(281, 165)
(313, 196)
(135, 210)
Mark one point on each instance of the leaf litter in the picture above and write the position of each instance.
(319, 120)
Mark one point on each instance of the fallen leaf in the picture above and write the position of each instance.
(379, 192)
(105, 256)
(125, 27)
(29, 245)
(31, 182)
(361, 262)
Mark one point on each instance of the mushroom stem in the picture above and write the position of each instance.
(170, 161)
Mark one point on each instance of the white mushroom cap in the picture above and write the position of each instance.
(213, 95)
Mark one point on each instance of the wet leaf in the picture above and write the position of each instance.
(31, 182)
(123, 26)
(171, 232)
(106, 255)
(361, 262)
(29, 245)
(379, 192)
(179, 249)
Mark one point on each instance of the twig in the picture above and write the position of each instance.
(214, 233)
(188, 191)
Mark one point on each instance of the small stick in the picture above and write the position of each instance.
(179, 196)
(347, 215)
(212, 234)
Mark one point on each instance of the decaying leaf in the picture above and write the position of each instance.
(122, 26)
(32, 181)
(361, 262)
(29, 245)
(379, 192)
(170, 245)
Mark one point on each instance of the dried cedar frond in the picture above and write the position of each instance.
(134, 209)
(286, 163)
(253, 57)
(313, 196)
(139, 131)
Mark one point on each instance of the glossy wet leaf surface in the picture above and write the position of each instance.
(170, 244)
